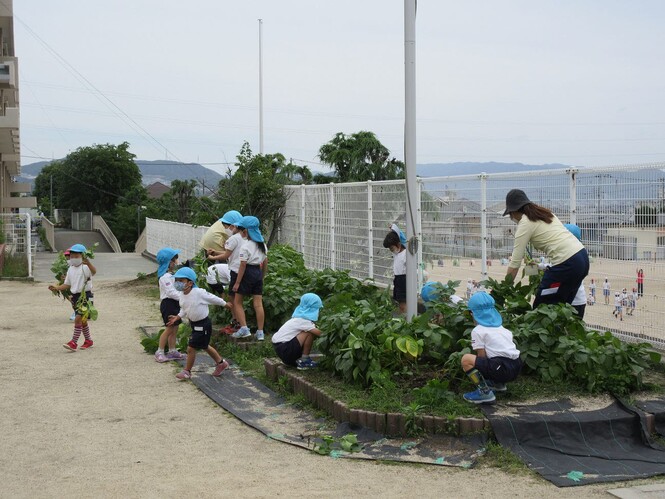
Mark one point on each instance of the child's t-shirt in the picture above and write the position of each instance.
(218, 274)
(496, 341)
(233, 244)
(194, 305)
(166, 288)
(250, 253)
(617, 301)
(79, 278)
(399, 263)
(292, 328)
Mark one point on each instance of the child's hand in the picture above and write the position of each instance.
(172, 320)
(53, 288)
(235, 288)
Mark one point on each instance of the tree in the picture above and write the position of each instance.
(360, 157)
(91, 178)
(257, 188)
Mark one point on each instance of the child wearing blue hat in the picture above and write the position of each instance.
(167, 259)
(194, 303)
(395, 241)
(249, 281)
(78, 280)
(497, 359)
(293, 341)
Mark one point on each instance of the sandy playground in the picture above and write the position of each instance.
(111, 422)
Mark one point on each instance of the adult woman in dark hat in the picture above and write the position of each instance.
(538, 226)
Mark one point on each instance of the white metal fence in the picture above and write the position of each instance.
(463, 235)
(18, 236)
(161, 234)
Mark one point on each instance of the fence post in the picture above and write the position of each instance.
(419, 232)
(302, 220)
(483, 224)
(28, 242)
(370, 232)
(573, 195)
(332, 225)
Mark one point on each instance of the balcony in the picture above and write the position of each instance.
(19, 202)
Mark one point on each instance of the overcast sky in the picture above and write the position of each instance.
(578, 82)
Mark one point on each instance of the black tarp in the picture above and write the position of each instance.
(570, 446)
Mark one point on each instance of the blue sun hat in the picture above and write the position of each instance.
(484, 312)
(164, 257)
(78, 248)
(402, 237)
(186, 273)
(309, 307)
(231, 217)
(575, 230)
(429, 291)
(252, 225)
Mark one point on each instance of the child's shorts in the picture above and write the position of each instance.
(232, 282)
(501, 369)
(217, 287)
(75, 298)
(252, 281)
(399, 288)
(201, 331)
(167, 307)
(289, 351)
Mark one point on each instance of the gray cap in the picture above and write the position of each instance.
(515, 199)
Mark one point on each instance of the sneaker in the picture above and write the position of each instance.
(497, 386)
(184, 374)
(73, 316)
(220, 367)
(70, 345)
(260, 336)
(304, 364)
(175, 355)
(478, 397)
(160, 357)
(243, 332)
(86, 344)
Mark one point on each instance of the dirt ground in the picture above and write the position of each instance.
(111, 422)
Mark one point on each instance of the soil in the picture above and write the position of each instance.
(111, 422)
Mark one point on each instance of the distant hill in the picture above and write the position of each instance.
(151, 172)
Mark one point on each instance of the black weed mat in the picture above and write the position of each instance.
(261, 408)
(568, 445)
(657, 408)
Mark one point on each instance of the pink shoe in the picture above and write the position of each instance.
(220, 367)
(160, 357)
(175, 355)
(184, 374)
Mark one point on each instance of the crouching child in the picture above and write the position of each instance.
(293, 341)
(497, 359)
(194, 305)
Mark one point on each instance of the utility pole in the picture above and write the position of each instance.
(51, 179)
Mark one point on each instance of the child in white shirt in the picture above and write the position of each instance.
(395, 241)
(497, 359)
(167, 259)
(194, 305)
(293, 341)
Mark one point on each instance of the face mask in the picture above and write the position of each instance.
(395, 251)
(179, 285)
(75, 261)
(514, 219)
(229, 231)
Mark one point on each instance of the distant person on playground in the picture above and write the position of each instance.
(78, 280)
(293, 341)
(167, 259)
(194, 305)
(395, 241)
(538, 226)
(618, 308)
(607, 290)
(592, 288)
(640, 283)
(249, 282)
(497, 359)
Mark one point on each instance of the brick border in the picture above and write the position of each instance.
(392, 424)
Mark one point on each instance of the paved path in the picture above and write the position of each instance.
(110, 266)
